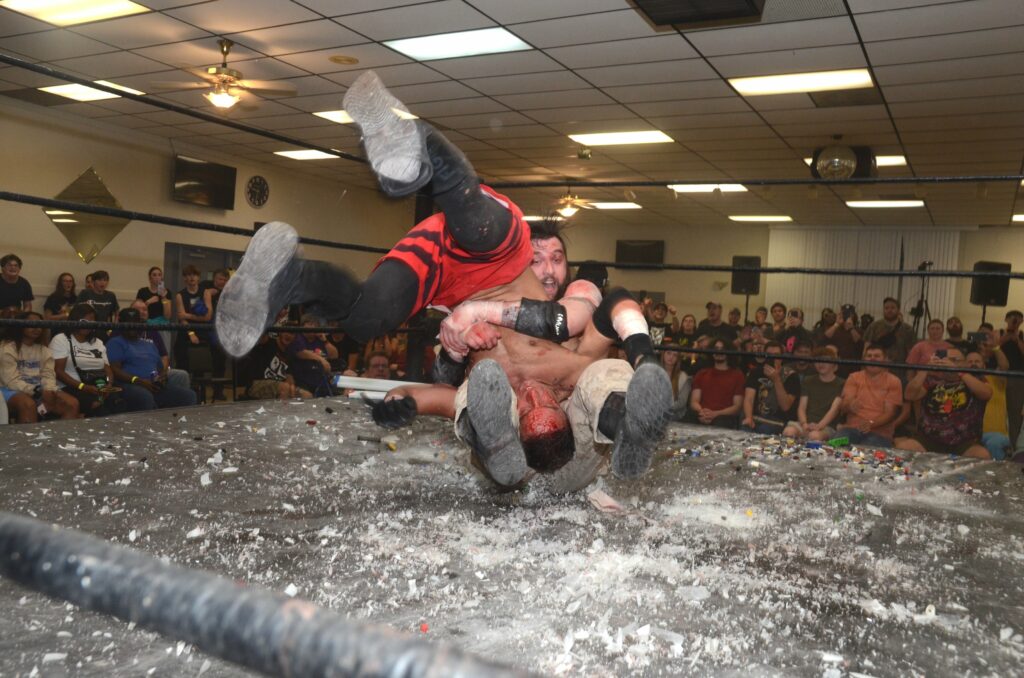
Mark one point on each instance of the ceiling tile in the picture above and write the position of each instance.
(496, 122)
(370, 55)
(267, 68)
(446, 16)
(574, 97)
(941, 47)
(487, 65)
(956, 89)
(952, 17)
(301, 37)
(662, 71)
(1010, 104)
(54, 45)
(690, 106)
(141, 30)
(637, 50)
(342, 7)
(582, 113)
(431, 109)
(392, 76)
(534, 82)
(434, 91)
(670, 91)
(233, 16)
(790, 61)
(110, 66)
(585, 29)
(194, 53)
(950, 69)
(507, 12)
(773, 37)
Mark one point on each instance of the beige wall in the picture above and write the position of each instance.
(45, 150)
(990, 244)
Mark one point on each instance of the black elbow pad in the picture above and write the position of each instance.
(447, 370)
(603, 314)
(543, 319)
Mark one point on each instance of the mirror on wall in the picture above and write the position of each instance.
(87, 233)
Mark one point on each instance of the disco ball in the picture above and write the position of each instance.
(836, 162)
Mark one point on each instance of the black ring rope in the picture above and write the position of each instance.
(714, 268)
(296, 329)
(54, 73)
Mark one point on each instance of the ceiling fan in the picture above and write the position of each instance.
(570, 204)
(226, 84)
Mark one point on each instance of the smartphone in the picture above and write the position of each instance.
(977, 337)
(940, 353)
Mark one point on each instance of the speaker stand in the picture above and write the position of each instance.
(746, 309)
(984, 310)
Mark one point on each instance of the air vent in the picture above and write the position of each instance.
(700, 13)
(846, 97)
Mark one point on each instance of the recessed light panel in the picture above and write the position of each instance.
(884, 203)
(614, 205)
(708, 188)
(819, 81)
(622, 138)
(760, 218)
(79, 92)
(307, 154)
(73, 12)
(462, 44)
(343, 118)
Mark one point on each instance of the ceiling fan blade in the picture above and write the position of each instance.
(201, 73)
(267, 87)
(179, 85)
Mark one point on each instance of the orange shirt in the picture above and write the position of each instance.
(869, 397)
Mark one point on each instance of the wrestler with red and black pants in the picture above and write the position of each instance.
(478, 241)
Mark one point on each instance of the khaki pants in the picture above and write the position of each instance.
(583, 409)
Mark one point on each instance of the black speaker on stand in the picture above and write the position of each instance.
(986, 291)
(746, 282)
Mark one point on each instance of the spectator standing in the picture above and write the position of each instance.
(872, 399)
(717, 394)
(761, 324)
(658, 323)
(15, 291)
(794, 332)
(309, 357)
(189, 307)
(140, 371)
(921, 353)
(820, 399)
(156, 297)
(994, 430)
(103, 302)
(771, 394)
(219, 359)
(714, 327)
(952, 409)
(828, 319)
(271, 370)
(59, 303)
(28, 383)
(1011, 343)
(734, 318)
(80, 363)
(890, 332)
(845, 335)
(778, 313)
(955, 335)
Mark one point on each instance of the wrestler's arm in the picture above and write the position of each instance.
(401, 405)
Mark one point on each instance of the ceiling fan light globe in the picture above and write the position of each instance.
(222, 99)
(568, 210)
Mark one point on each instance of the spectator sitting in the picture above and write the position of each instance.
(803, 368)
(59, 303)
(348, 350)
(88, 282)
(717, 393)
(922, 351)
(271, 369)
(952, 409)
(103, 302)
(845, 335)
(15, 291)
(175, 377)
(310, 355)
(713, 326)
(156, 297)
(771, 394)
(27, 380)
(680, 383)
(955, 335)
(994, 428)
(794, 332)
(890, 332)
(820, 398)
(377, 366)
(778, 313)
(687, 336)
(80, 363)
(872, 399)
(140, 371)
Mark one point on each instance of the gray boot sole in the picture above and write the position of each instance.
(490, 406)
(648, 405)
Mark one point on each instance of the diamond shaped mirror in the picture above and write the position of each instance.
(87, 233)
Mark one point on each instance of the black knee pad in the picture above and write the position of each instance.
(603, 314)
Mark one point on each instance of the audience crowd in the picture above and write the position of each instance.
(89, 372)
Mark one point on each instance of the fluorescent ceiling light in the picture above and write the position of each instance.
(534, 217)
(79, 92)
(343, 118)
(708, 188)
(820, 81)
(65, 221)
(120, 87)
(307, 154)
(461, 44)
(885, 203)
(71, 12)
(760, 218)
(1018, 217)
(622, 138)
(890, 160)
(614, 205)
(57, 213)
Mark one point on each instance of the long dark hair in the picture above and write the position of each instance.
(17, 334)
(59, 290)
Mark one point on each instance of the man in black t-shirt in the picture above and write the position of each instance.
(15, 291)
(270, 369)
(712, 326)
(1011, 343)
(771, 395)
(104, 303)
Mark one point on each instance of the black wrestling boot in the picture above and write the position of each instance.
(648, 402)
(495, 441)
(394, 144)
(262, 286)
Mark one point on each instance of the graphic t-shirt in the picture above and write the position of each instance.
(950, 412)
(766, 401)
(103, 303)
(268, 362)
(90, 356)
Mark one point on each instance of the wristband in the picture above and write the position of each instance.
(191, 333)
(81, 385)
(134, 379)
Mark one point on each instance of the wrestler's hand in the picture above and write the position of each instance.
(394, 413)
(481, 336)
